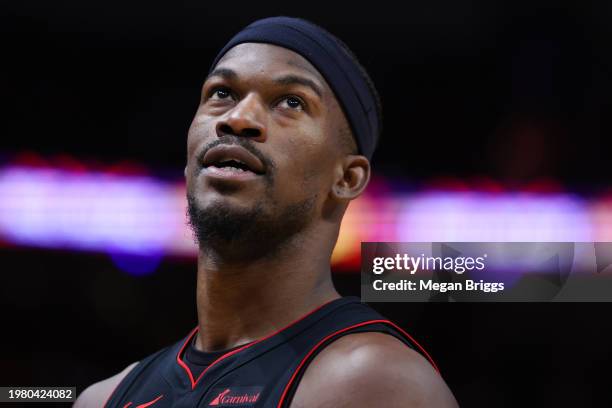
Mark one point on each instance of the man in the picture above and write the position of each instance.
(280, 144)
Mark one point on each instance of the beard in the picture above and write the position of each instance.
(239, 234)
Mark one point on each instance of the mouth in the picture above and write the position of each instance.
(232, 161)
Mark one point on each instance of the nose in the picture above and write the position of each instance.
(245, 119)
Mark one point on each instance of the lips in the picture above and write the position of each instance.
(234, 157)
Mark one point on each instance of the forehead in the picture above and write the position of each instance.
(268, 59)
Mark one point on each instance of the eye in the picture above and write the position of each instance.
(293, 102)
(220, 93)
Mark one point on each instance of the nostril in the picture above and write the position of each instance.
(250, 132)
(225, 129)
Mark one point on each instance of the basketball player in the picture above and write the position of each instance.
(280, 144)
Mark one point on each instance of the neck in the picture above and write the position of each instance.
(239, 302)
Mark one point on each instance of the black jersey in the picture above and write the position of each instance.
(197, 361)
(262, 373)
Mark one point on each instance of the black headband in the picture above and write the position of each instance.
(326, 53)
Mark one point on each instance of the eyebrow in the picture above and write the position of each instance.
(290, 79)
(298, 80)
(223, 73)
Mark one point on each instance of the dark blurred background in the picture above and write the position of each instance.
(515, 92)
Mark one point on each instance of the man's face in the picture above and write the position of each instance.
(266, 110)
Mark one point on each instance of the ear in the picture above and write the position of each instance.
(353, 175)
(185, 172)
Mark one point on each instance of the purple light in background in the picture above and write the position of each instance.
(485, 217)
(141, 216)
(58, 209)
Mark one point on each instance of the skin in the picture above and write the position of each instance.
(243, 294)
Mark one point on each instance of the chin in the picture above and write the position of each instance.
(212, 201)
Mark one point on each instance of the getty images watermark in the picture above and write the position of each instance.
(485, 272)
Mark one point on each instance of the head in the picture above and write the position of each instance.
(270, 153)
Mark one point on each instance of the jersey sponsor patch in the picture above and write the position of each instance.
(235, 396)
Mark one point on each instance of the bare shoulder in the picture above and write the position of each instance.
(371, 369)
(96, 394)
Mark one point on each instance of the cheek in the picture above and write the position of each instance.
(305, 167)
(195, 136)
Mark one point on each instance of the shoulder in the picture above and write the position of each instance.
(97, 394)
(371, 369)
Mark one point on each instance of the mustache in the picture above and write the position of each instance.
(269, 164)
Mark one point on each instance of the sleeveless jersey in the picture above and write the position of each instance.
(262, 373)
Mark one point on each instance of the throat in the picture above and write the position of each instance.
(248, 302)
